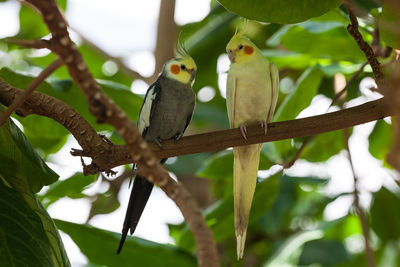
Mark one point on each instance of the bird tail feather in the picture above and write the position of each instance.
(246, 160)
(140, 194)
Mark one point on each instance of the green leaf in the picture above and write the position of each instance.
(384, 221)
(20, 165)
(24, 242)
(71, 187)
(100, 248)
(300, 98)
(328, 42)
(324, 252)
(28, 236)
(31, 24)
(323, 146)
(344, 227)
(389, 23)
(104, 203)
(280, 11)
(381, 140)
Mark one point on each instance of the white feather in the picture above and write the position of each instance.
(144, 116)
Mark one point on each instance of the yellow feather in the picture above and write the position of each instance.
(246, 160)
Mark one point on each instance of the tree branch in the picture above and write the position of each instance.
(166, 35)
(34, 84)
(48, 106)
(105, 110)
(219, 140)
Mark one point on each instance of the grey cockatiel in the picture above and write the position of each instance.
(166, 112)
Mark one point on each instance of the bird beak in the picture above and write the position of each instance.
(192, 73)
(231, 55)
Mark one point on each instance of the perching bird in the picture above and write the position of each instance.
(165, 114)
(252, 93)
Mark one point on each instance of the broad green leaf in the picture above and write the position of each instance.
(71, 187)
(100, 248)
(381, 140)
(384, 211)
(300, 98)
(306, 88)
(23, 239)
(104, 203)
(31, 24)
(389, 23)
(27, 233)
(280, 11)
(324, 252)
(20, 165)
(334, 44)
(44, 133)
(323, 146)
(289, 59)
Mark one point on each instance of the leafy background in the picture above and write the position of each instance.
(300, 216)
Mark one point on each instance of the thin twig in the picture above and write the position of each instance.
(37, 44)
(369, 254)
(364, 46)
(32, 86)
(289, 164)
(353, 77)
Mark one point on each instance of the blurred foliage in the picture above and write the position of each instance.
(280, 11)
(288, 224)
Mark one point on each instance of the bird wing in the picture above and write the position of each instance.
(147, 109)
(230, 97)
(274, 76)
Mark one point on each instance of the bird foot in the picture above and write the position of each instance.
(158, 142)
(178, 136)
(243, 130)
(264, 125)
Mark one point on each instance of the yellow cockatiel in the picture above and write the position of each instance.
(252, 93)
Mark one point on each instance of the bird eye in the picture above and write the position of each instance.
(240, 47)
(183, 67)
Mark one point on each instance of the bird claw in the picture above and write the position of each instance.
(243, 130)
(264, 125)
(158, 142)
(178, 136)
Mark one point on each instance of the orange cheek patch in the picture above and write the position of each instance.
(248, 49)
(175, 69)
